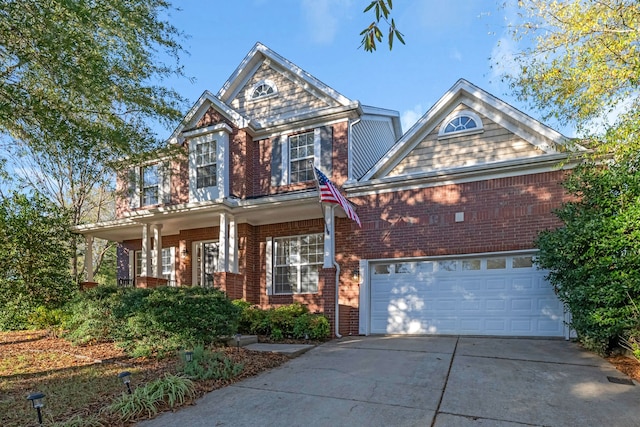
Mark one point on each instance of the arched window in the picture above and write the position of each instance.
(461, 122)
(263, 89)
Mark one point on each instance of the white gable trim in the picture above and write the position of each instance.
(201, 106)
(504, 169)
(254, 59)
(482, 102)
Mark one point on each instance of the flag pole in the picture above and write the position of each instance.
(336, 320)
(315, 175)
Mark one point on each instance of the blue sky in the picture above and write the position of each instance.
(445, 40)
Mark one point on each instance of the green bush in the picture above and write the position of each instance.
(287, 321)
(152, 321)
(145, 401)
(207, 365)
(593, 258)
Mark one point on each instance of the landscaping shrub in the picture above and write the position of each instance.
(207, 365)
(171, 390)
(152, 321)
(287, 321)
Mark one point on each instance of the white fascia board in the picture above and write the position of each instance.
(209, 129)
(104, 225)
(517, 167)
(200, 107)
(252, 61)
(264, 129)
(462, 89)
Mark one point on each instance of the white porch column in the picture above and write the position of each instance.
(88, 257)
(329, 241)
(233, 245)
(146, 251)
(157, 249)
(223, 243)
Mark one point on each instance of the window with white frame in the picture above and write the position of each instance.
(206, 166)
(263, 89)
(150, 185)
(205, 263)
(168, 264)
(297, 261)
(301, 151)
(461, 122)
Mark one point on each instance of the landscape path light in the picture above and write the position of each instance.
(37, 401)
(238, 337)
(126, 379)
(188, 356)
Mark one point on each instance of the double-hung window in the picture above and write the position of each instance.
(150, 185)
(206, 167)
(301, 157)
(296, 263)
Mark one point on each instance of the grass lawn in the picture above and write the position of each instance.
(79, 381)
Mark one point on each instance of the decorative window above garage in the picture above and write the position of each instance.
(461, 122)
(263, 89)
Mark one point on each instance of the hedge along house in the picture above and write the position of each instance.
(449, 210)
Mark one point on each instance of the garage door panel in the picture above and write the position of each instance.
(427, 300)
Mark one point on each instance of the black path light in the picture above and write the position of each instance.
(37, 401)
(238, 338)
(126, 379)
(188, 356)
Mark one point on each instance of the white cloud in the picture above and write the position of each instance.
(322, 18)
(409, 117)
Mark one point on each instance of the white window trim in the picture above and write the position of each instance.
(249, 94)
(286, 148)
(271, 264)
(219, 133)
(463, 113)
(136, 187)
(195, 246)
(172, 265)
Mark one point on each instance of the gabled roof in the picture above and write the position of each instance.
(259, 54)
(522, 125)
(201, 106)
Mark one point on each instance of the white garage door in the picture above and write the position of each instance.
(498, 295)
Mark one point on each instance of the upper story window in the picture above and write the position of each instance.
(206, 167)
(293, 155)
(150, 185)
(296, 263)
(263, 89)
(301, 149)
(461, 122)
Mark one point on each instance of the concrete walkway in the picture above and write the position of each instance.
(425, 381)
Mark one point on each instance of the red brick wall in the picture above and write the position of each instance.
(262, 164)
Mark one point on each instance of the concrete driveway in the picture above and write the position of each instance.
(425, 381)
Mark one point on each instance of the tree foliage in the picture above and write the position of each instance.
(373, 33)
(34, 258)
(79, 73)
(593, 259)
(582, 63)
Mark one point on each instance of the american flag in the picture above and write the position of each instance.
(330, 194)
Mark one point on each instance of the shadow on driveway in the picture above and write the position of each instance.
(425, 381)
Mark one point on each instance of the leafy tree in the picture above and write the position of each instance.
(34, 258)
(79, 73)
(373, 34)
(582, 64)
(593, 260)
(72, 183)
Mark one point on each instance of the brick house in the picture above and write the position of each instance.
(449, 209)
